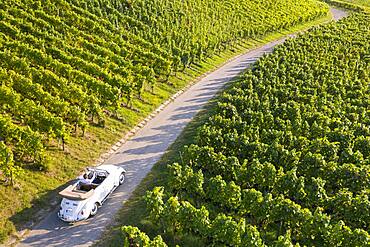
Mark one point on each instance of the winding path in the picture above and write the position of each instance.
(142, 151)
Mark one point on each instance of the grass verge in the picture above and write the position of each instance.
(133, 211)
(355, 5)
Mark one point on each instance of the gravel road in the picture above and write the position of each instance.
(142, 151)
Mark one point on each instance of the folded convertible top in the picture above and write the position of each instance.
(72, 193)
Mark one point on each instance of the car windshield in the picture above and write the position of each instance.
(98, 172)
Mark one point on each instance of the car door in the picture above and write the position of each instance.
(106, 186)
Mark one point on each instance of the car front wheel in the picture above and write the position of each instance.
(121, 178)
(94, 210)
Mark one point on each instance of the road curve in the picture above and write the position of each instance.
(142, 151)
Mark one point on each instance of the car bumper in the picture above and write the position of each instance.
(69, 219)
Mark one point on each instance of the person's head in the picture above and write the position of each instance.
(85, 176)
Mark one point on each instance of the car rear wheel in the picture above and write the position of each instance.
(94, 210)
(121, 178)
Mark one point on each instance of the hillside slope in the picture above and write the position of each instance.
(66, 65)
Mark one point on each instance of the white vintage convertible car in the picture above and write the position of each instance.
(82, 200)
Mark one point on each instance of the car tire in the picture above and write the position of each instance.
(121, 178)
(94, 210)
